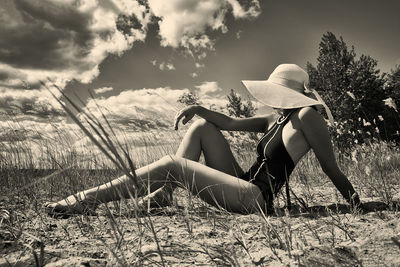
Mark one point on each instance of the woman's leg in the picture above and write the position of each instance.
(154, 174)
(216, 187)
(202, 137)
(205, 137)
(211, 185)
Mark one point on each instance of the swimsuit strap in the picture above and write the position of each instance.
(283, 118)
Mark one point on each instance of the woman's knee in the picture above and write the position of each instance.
(204, 126)
(170, 162)
(167, 161)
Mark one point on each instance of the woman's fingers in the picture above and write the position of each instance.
(178, 117)
(187, 114)
(185, 120)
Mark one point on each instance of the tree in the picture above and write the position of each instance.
(392, 87)
(352, 88)
(237, 108)
(392, 104)
(189, 99)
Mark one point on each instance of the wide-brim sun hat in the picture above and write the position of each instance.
(286, 88)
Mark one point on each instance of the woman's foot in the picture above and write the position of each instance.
(160, 198)
(71, 205)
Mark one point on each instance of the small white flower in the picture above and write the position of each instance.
(351, 95)
(380, 117)
(354, 155)
(367, 170)
(366, 123)
(390, 103)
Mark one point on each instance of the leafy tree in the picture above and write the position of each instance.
(189, 99)
(237, 108)
(393, 87)
(392, 104)
(352, 88)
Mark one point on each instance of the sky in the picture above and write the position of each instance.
(138, 57)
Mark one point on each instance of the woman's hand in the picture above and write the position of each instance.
(187, 114)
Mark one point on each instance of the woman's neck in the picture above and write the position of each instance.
(282, 112)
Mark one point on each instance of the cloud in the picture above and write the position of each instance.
(163, 65)
(103, 90)
(67, 40)
(183, 23)
(140, 109)
(166, 66)
(208, 88)
(250, 9)
(36, 104)
(239, 34)
(199, 65)
(147, 109)
(59, 41)
(211, 95)
(63, 40)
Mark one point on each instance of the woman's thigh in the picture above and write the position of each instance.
(216, 187)
(205, 137)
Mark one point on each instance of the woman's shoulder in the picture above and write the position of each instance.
(308, 111)
(309, 116)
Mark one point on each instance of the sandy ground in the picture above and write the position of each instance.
(324, 235)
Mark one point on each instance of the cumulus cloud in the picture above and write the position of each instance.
(103, 90)
(163, 65)
(140, 109)
(166, 66)
(238, 34)
(63, 40)
(36, 103)
(249, 9)
(59, 41)
(147, 109)
(183, 23)
(66, 40)
(211, 95)
(199, 65)
(208, 88)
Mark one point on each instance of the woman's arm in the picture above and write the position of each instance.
(223, 122)
(317, 135)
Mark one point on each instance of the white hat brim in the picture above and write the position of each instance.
(278, 96)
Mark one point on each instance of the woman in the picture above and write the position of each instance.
(222, 182)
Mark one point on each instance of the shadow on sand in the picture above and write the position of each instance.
(325, 210)
(296, 210)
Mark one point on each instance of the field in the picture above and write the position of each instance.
(321, 230)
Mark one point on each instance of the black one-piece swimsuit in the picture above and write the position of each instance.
(273, 165)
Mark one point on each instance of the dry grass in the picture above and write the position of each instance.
(320, 230)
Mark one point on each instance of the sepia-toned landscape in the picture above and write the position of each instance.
(90, 89)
